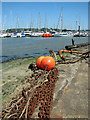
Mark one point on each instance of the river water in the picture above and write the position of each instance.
(34, 46)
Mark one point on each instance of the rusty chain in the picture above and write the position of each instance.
(24, 105)
(82, 57)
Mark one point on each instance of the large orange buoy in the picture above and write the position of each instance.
(49, 34)
(38, 63)
(48, 62)
(44, 35)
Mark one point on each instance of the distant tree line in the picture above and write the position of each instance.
(36, 29)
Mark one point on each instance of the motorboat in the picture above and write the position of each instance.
(27, 33)
(80, 34)
(2, 35)
(53, 32)
(8, 35)
(37, 34)
(62, 34)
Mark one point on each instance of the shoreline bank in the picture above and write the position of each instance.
(18, 58)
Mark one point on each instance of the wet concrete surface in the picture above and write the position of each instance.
(70, 98)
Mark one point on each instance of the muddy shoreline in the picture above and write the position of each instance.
(16, 58)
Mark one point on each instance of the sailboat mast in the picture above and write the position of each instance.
(17, 23)
(5, 23)
(58, 22)
(31, 23)
(79, 26)
(76, 23)
(39, 22)
(46, 23)
(11, 18)
(61, 20)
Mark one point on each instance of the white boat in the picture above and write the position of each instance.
(53, 32)
(27, 33)
(19, 34)
(80, 34)
(63, 34)
(37, 34)
(8, 35)
(13, 35)
(2, 35)
(22, 34)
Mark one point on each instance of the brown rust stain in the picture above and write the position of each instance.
(67, 90)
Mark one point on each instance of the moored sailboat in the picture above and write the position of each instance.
(62, 34)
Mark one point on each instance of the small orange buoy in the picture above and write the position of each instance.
(38, 63)
(48, 62)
